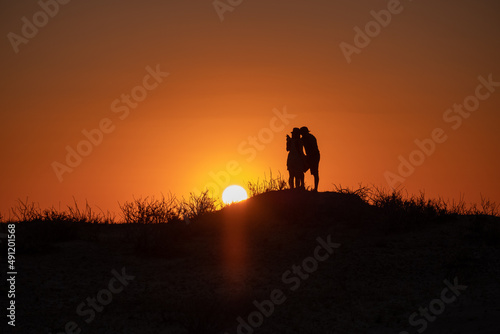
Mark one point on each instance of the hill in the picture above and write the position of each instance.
(280, 262)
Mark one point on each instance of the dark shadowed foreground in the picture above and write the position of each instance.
(281, 262)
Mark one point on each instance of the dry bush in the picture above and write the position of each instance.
(459, 207)
(362, 192)
(150, 210)
(486, 208)
(87, 215)
(198, 205)
(26, 211)
(489, 208)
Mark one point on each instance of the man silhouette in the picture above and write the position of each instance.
(312, 153)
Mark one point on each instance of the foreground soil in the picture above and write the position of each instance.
(281, 262)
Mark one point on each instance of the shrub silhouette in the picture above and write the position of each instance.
(150, 210)
(173, 217)
(198, 205)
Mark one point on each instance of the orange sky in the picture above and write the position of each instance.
(226, 82)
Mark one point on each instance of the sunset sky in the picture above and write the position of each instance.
(187, 91)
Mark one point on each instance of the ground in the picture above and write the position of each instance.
(371, 272)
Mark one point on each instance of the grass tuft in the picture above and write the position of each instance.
(27, 211)
(150, 210)
(263, 186)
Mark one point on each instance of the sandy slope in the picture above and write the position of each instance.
(200, 278)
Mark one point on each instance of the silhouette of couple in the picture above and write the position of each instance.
(297, 162)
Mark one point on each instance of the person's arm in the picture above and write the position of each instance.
(316, 144)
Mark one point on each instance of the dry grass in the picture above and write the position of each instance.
(265, 185)
(27, 211)
(150, 210)
(362, 192)
(198, 205)
(396, 204)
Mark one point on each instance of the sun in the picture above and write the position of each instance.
(233, 194)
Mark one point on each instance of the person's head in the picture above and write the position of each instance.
(304, 130)
(295, 132)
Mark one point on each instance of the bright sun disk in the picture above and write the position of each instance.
(233, 194)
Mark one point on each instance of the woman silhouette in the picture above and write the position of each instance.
(296, 162)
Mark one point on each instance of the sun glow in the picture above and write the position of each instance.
(233, 194)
